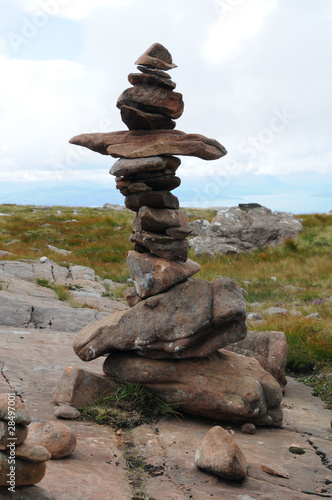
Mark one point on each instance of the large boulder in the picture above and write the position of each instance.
(224, 386)
(192, 319)
(244, 229)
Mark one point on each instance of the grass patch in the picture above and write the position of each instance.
(61, 290)
(131, 405)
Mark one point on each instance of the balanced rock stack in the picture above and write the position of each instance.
(170, 338)
(21, 463)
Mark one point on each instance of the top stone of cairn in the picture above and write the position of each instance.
(158, 57)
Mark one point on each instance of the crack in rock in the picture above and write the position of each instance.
(325, 461)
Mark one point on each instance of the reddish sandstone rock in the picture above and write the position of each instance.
(270, 350)
(130, 167)
(144, 143)
(174, 324)
(148, 79)
(220, 454)
(56, 437)
(131, 297)
(154, 199)
(153, 71)
(78, 387)
(153, 100)
(156, 56)
(137, 119)
(161, 245)
(153, 275)
(159, 220)
(224, 386)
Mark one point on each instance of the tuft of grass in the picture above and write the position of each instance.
(131, 405)
(61, 290)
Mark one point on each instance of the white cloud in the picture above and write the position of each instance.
(237, 21)
(70, 9)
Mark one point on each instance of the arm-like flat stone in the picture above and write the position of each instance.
(143, 143)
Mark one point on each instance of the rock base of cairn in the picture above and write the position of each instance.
(170, 339)
(22, 461)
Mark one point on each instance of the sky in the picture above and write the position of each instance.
(255, 74)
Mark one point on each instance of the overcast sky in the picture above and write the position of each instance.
(255, 74)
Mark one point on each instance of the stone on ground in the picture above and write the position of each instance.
(26, 473)
(220, 454)
(225, 386)
(79, 387)
(56, 437)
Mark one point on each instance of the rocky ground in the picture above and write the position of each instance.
(151, 461)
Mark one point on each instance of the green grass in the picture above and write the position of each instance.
(131, 405)
(100, 239)
(61, 290)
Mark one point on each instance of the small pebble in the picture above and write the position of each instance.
(248, 429)
(67, 412)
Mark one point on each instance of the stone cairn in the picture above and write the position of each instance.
(170, 338)
(22, 463)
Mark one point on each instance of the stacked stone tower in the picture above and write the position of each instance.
(176, 326)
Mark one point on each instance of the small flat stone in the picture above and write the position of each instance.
(153, 100)
(126, 167)
(178, 232)
(276, 311)
(153, 275)
(161, 245)
(137, 119)
(148, 79)
(153, 71)
(67, 412)
(154, 199)
(220, 454)
(275, 471)
(165, 182)
(56, 437)
(156, 56)
(138, 187)
(159, 219)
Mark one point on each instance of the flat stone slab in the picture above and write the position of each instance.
(32, 364)
(143, 143)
